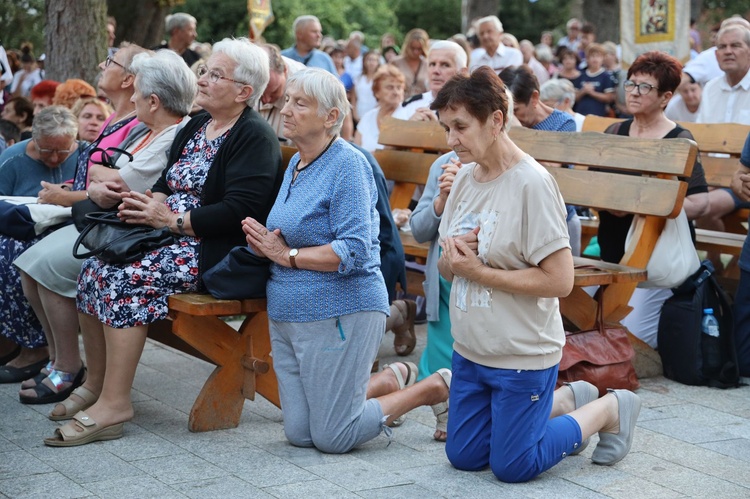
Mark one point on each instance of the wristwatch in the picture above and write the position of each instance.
(181, 223)
(292, 255)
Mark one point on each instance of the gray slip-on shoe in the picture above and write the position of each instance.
(613, 447)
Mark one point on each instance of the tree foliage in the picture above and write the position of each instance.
(21, 21)
(528, 19)
(441, 19)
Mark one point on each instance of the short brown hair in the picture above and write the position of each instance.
(596, 48)
(481, 93)
(386, 71)
(663, 67)
(68, 92)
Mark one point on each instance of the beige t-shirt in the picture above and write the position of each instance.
(521, 215)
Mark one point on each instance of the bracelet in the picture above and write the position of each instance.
(87, 195)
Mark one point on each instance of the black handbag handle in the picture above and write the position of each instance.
(102, 217)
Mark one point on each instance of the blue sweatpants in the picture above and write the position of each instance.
(500, 418)
(323, 368)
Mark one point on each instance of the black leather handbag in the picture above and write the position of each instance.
(115, 241)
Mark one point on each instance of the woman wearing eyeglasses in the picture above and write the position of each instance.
(50, 156)
(652, 80)
(163, 93)
(224, 165)
(30, 354)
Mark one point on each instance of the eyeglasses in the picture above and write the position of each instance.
(214, 76)
(50, 152)
(110, 60)
(643, 88)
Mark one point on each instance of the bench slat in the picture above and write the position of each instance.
(405, 134)
(669, 157)
(405, 166)
(611, 191)
(204, 305)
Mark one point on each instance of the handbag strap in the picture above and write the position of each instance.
(95, 221)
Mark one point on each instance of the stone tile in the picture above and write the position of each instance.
(133, 488)
(446, 481)
(178, 468)
(140, 445)
(615, 481)
(397, 456)
(305, 457)
(357, 475)
(41, 485)
(398, 492)
(21, 464)
(685, 430)
(261, 468)
(228, 486)
(89, 463)
(310, 490)
(700, 414)
(738, 448)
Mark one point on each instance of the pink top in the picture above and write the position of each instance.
(112, 140)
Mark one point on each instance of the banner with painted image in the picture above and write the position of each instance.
(647, 25)
(261, 15)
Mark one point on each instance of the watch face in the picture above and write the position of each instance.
(293, 252)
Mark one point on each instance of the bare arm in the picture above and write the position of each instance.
(696, 205)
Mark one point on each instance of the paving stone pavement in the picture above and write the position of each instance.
(690, 442)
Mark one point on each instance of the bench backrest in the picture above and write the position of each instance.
(720, 145)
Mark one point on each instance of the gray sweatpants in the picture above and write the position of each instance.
(323, 371)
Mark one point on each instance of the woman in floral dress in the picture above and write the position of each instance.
(225, 166)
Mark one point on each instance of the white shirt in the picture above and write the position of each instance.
(407, 111)
(353, 66)
(7, 75)
(704, 67)
(369, 130)
(724, 104)
(31, 79)
(365, 98)
(501, 59)
(679, 112)
(540, 71)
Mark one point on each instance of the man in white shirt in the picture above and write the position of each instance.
(354, 54)
(573, 38)
(726, 99)
(444, 60)
(493, 53)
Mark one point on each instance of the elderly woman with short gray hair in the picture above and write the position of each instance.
(327, 302)
(49, 157)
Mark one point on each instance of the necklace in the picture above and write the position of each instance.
(298, 169)
(143, 142)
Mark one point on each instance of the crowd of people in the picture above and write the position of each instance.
(186, 136)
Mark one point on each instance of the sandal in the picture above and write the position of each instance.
(71, 406)
(46, 395)
(37, 380)
(83, 430)
(405, 338)
(412, 371)
(10, 374)
(441, 409)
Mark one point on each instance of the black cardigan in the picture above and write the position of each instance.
(243, 181)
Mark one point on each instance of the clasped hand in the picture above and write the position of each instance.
(137, 208)
(462, 254)
(263, 242)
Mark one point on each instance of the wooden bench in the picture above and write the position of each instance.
(418, 144)
(720, 145)
(244, 366)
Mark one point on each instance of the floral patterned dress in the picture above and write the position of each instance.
(135, 294)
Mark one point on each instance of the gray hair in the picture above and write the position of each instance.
(302, 21)
(735, 27)
(459, 54)
(54, 121)
(543, 53)
(178, 20)
(166, 75)
(326, 89)
(252, 64)
(491, 19)
(275, 61)
(571, 22)
(558, 89)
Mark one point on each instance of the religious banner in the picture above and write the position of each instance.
(647, 25)
(261, 16)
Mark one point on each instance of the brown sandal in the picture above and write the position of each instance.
(405, 338)
(72, 407)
